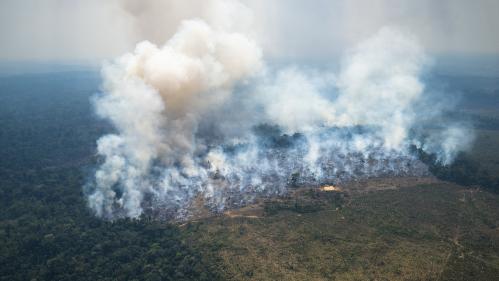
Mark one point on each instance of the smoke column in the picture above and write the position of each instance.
(204, 116)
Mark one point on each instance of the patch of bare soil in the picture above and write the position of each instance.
(253, 211)
(376, 184)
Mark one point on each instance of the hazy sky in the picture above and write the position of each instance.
(90, 30)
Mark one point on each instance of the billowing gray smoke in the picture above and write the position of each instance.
(203, 115)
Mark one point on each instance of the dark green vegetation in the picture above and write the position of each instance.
(464, 170)
(46, 233)
(47, 141)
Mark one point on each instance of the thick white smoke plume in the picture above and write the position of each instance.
(203, 115)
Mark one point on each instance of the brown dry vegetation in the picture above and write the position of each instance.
(436, 231)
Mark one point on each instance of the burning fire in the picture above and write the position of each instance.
(330, 188)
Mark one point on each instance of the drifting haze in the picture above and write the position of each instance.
(88, 31)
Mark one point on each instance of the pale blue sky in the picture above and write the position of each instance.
(90, 30)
